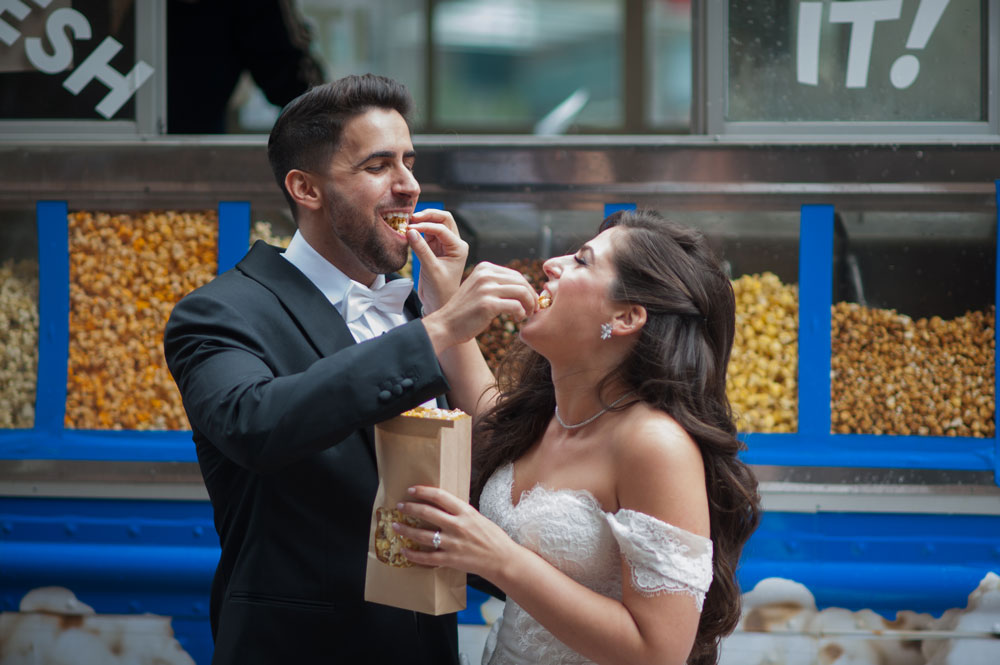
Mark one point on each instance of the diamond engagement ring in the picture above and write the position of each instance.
(436, 540)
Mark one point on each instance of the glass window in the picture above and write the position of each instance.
(856, 61)
(526, 66)
(912, 324)
(668, 62)
(538, 66)
(55, 63)
(387, 37)
(18, 319)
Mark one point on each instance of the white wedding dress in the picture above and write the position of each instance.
(569, 529)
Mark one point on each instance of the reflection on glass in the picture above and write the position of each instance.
(856, 61)
(386, 37)
(544, 66)
(18, 319)
(43, 76)
(668, 63)
(913, 325)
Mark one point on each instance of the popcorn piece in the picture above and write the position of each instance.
(389, 544)
(399, 222)
(544, 300)
(434, 413)
(262, 230)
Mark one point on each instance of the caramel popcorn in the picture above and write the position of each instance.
(126, 273)
(895, 375)
(389, 544)
(434, 413)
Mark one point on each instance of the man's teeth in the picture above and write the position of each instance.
(398, 221)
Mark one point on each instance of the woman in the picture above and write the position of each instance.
(609, 455)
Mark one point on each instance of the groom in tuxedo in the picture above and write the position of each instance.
(286, 362)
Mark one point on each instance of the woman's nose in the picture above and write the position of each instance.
(553, 267)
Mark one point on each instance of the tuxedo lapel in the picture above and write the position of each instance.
(319, 320)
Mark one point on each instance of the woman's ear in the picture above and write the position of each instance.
(303, 190)
(630, 320)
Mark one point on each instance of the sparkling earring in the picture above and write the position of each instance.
(605, 331)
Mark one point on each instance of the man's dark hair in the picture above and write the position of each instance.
(309, 128)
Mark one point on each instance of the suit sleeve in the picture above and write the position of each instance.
(264, 422)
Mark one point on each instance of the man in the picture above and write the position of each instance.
(286, 362)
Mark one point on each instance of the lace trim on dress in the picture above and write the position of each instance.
(663, 557)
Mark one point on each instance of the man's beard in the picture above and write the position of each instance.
(363, 237)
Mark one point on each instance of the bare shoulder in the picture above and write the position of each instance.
(659, 470)
(651, 443)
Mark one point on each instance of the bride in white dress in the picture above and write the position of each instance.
(606, 462)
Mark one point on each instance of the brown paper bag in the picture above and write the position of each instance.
(413, 450)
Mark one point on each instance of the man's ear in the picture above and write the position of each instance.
(303, 190)
(630, 320)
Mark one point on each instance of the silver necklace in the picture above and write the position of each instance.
(593, 417)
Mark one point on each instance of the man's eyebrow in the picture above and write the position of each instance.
(383, 154)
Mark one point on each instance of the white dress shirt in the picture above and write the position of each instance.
(334, 284)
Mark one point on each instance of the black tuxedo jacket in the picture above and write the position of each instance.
(282, 402)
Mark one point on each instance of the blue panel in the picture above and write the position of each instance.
(118, 556)
(132, 556)
(110, 445)
(414, 261)
(472, 614)
(53, 314)
(234, 233)
(996, 349)
(611, 208)
(113, 567)
(870, 450)
(885, 562)
(815, 296)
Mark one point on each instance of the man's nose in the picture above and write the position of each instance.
(407, 183)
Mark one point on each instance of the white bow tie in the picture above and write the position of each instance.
(389, 298)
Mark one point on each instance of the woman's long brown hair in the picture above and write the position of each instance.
(678, 366)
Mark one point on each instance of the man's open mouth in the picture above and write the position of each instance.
(399, 221)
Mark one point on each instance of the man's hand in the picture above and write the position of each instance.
(489, 291)
(442, 255)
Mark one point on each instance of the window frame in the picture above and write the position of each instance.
(711, 89)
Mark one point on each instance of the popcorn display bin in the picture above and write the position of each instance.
(862, 376)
